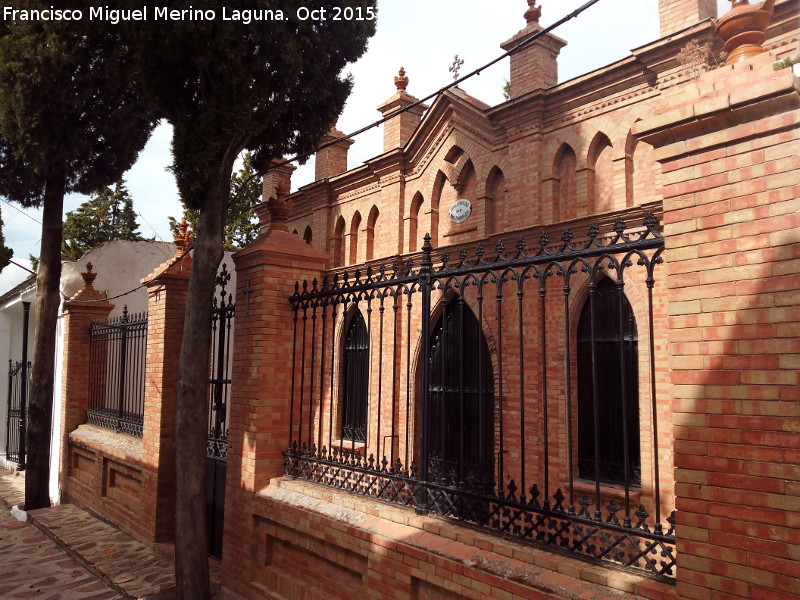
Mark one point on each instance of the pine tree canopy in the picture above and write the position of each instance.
(107, 216)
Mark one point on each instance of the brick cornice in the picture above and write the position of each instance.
(281, 249)
(756, 93)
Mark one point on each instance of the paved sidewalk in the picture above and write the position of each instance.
(84, 557)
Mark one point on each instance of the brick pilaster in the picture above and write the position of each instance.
(732, 216)
(259, 409)
(167, 288)
(398, 130)
(535, 66)
(85, 306)
(332, 161)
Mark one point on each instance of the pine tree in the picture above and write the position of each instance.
(241, 225)
(5, 253)
(106, 217)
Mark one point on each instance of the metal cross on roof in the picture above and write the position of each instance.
(456, 66)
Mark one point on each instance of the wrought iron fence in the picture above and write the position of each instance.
(18, 387)
(219, 382)
(219, 393)
(117, 351)
(512, 391)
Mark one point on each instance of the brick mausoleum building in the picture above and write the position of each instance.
(545, 349)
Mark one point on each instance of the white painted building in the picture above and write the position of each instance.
(120, 266)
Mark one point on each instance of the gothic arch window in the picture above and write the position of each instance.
(355, 225)
(495, 201)
(356, 380)
(461, 401)
(414, 233)
(372, 228)
(642, 173)
(602, 174)
(564, 165)
(338, 242)
(307, 235)
(609, 367)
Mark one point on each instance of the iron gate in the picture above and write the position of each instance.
(219, 391)
(18, 386)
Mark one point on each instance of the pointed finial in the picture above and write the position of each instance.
(533, 13)
(401, 81)
(183, 239)
(89, 276)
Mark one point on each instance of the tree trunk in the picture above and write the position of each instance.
(40, 400)
(191, 543)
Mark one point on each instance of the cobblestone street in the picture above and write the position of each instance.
(65, 553)
(35, 567)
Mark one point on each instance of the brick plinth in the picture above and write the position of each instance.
(332, 161)
(732, 220)
(316, 543)
(259, 416)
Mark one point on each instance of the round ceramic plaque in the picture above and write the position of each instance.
(460, 210)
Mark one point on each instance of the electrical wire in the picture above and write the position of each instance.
(20, 210)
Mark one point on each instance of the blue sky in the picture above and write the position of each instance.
(421, 35)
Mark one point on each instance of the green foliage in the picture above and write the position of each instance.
(5, 253)
(72, 118)
(241, 225)
(106, 217)
(273, 87)
(70, 109)
(34, 260)
(507, 89)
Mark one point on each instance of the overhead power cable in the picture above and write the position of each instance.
(441, 90)
(18, 209)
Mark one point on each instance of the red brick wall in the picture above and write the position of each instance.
(125, 479)
(732, 214)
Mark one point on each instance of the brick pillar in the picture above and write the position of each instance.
(332, 161)
(85, 306)
(535, 66)
(397, 131)
(166, 301)
(728, 148)
(675, 15)
(259, 410)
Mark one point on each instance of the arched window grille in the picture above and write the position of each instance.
(461, 450)
(608, 369)
(356, 380)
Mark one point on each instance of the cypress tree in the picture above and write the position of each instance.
(5, 253)
(272, 87)
(241, 225)
(71, 120)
